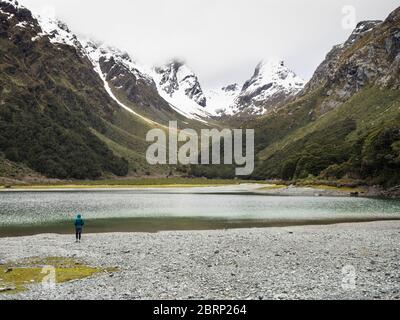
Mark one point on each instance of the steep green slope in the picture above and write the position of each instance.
(360, 140)
(346, 123)
(55, 116)
(48, 95)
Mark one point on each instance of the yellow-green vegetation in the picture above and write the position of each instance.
(341, 185)
(273, 187)
(135, 183)
(315, 186)
(17, 276)
(333, 188)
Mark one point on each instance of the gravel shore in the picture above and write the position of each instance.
(273, 263)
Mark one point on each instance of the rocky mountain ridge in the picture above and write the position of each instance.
(345, 124)
(174, 85)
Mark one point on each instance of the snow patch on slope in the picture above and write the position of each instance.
(54, 29)
(219, 101)
(23, 24)
(94, 53)
(111, 94)
(57, 31)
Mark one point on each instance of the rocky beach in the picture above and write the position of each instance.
(343, 261)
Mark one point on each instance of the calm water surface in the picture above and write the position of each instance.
(170, 209)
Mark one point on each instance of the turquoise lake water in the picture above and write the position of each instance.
(169, 209)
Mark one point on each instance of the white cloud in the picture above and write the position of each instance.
(222, 40)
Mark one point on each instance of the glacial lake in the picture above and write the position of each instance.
(152, 210)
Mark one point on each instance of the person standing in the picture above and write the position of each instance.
(78, 227)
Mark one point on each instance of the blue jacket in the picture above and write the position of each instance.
(79, 222)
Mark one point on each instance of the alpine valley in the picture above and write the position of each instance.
(74, 108)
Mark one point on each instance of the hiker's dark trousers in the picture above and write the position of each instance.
(78, 233)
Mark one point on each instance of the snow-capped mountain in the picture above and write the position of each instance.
(118, 69)
(271, 85)
(121, 75)
(101, 54)
(177, 77)
(180, 86)
(109, 63)
(174, 85)
(57, 31)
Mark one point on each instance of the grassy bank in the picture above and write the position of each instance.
(129, 183)
(177, 182)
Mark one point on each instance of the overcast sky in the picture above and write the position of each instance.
(221, 40)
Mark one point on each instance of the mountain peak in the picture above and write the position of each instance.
(176, 62)
(270, 77)
(267, 72)
(100, 54)
(176, 79)
(57, 31)
(270, 63)
(393, 16)
(362, 28)
(13, 3)
(107, 50)
(271, 84)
